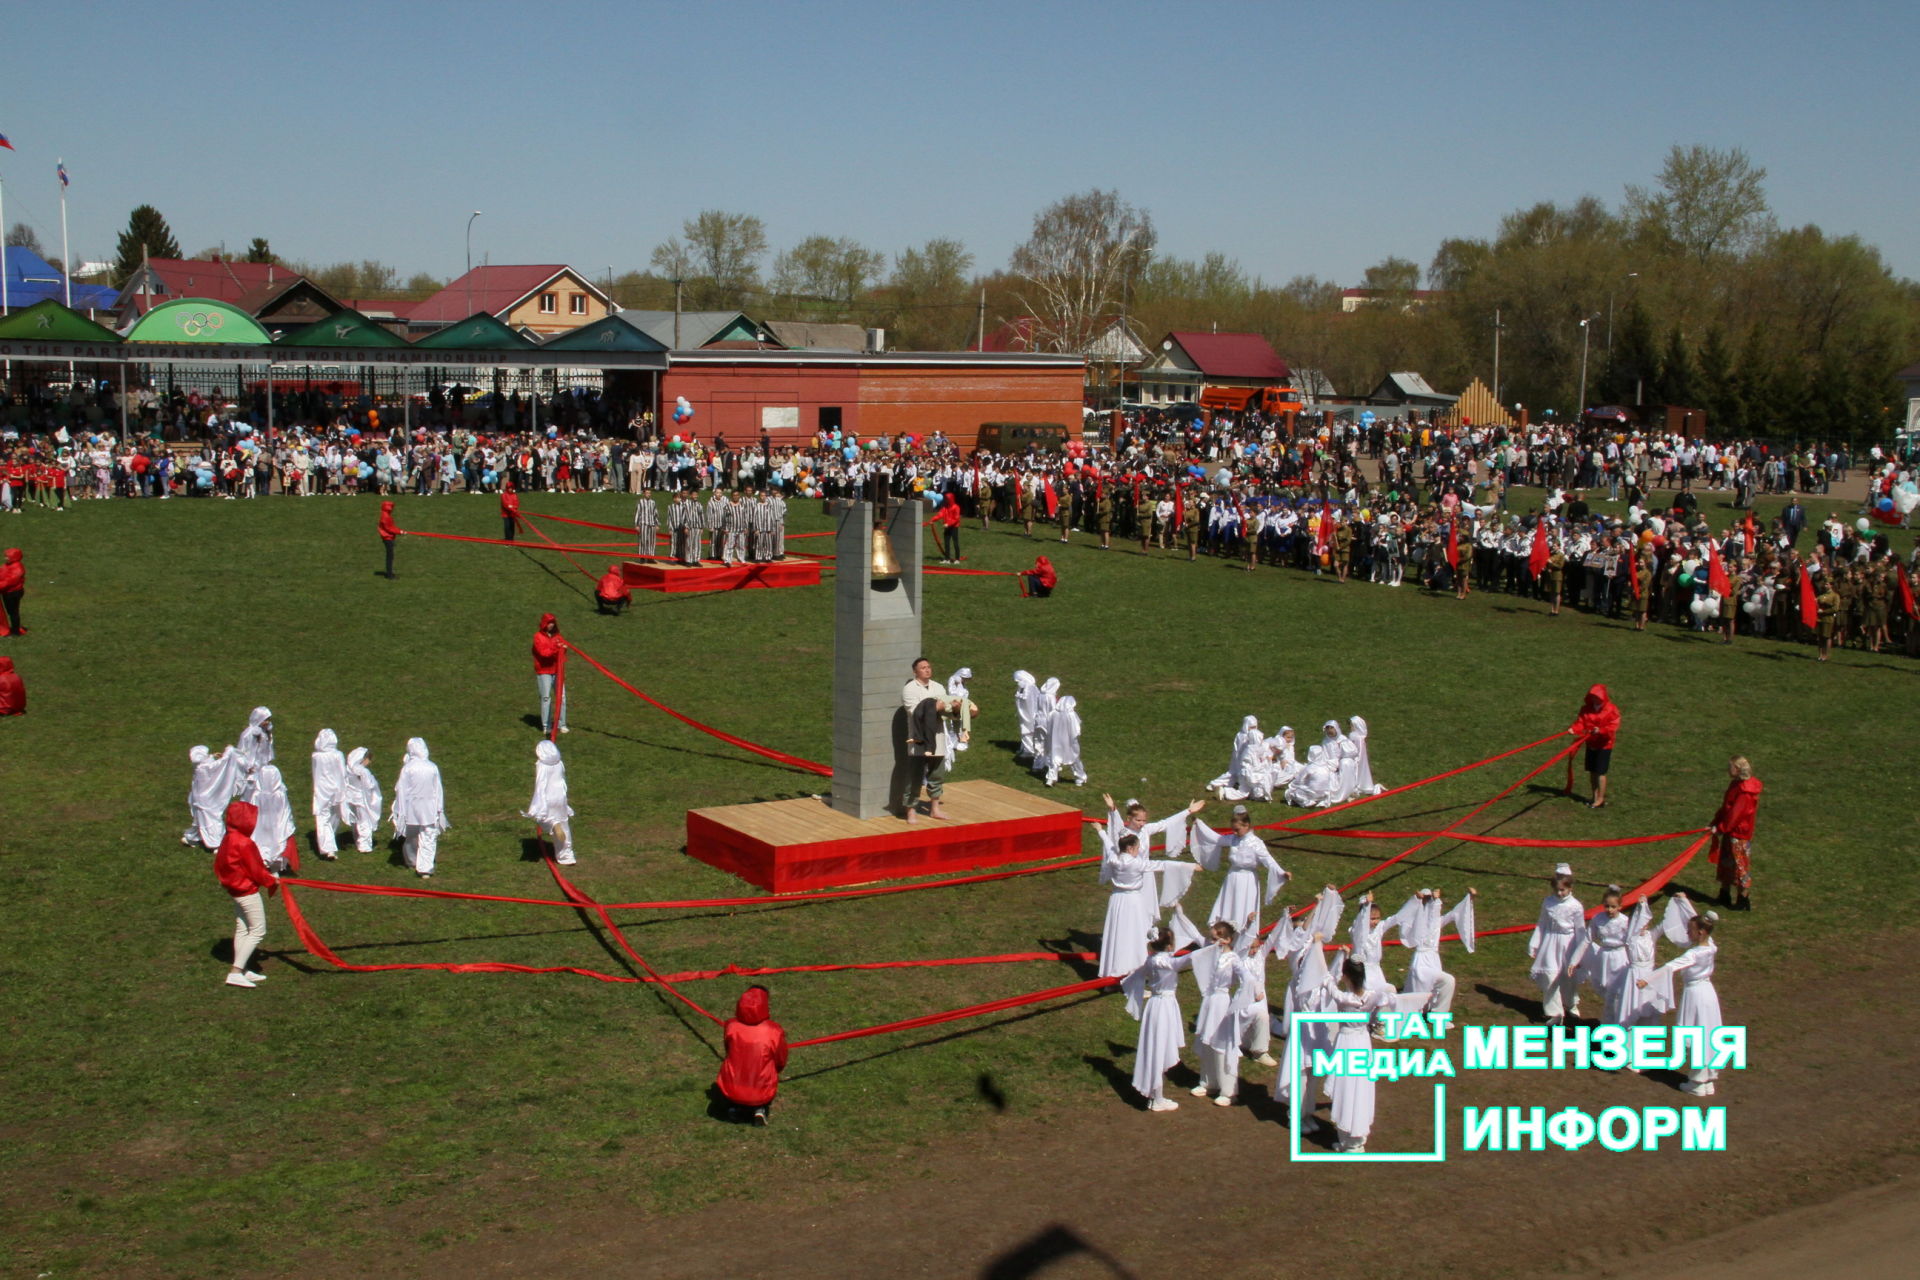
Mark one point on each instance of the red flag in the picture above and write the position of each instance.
(1746, 530)
(1453, 544)
(1323, 538)
(1633, 569)
(1809, 608)
(1179, 503)
(1906, 594)
(1537, 558)
(1717, 579)
(1053, 501)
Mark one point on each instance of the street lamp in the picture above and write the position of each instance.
(1631, 275)
(475, 214)
(1586, 332)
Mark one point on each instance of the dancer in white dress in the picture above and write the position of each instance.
(1133, 908)
(1342, 749)
(255, 747)
(1218, 968)
(419, 809)
(1153, 997)
(1242, 853)
(1607, 957)
(1357, 734)
(1318, 782)
(1557, 946)
(1421, 922)
(549, 807)
(1026, 706)
(1699, 1003)
(362, 799)
(1367, 939)
(217, 779)
(329, 794)
(1249, 774)
(1281, 751)
(1353, 1095)
(1062, 752)
(960, 717)
(273, 829)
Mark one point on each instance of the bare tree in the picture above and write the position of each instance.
(1083, 252)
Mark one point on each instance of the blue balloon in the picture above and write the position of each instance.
(1885, 504)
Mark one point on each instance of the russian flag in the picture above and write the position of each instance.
(64, 183)
(5, 143)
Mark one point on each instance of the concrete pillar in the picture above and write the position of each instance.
(876, 637)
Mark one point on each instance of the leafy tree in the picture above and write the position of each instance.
(1704, 203)
(929, 298)
(260, 251)
(147, 236)
(720, 252)
(1679, 379)
(821, 269)
(1719, 385)
(1084, 251)
(1393, 275)
(1455, 262)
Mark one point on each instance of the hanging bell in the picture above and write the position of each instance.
(883, 565)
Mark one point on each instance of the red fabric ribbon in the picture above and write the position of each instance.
(1809, 607)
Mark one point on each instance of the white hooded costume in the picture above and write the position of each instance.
(1026, 705)
(329, 791)
(1364, 784)
(255, 747)
(1062, 753)
(273, 829)
(1318, 782)
(1250, 774)
(549, 805)
(216, 780)
(1285, 762)
(959, 721)
(1341, 749)
(419, 808)
(1421, 922)
(360, 799)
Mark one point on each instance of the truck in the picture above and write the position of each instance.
(1275, 402)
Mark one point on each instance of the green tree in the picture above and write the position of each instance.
(826, 275)
(147, 236)
(928, 303)
(1705, 203)
(1720, 385)
(719, 253)
(1393, 276)
(1679, 379)
(260, 251)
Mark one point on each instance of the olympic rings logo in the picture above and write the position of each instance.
(195, 323)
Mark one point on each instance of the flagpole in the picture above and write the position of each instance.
(3, 252)
(66, 261)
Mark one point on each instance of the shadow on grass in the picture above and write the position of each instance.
(1040, 1253)
(731, 757)
(1120, 1081)
(1526, 1006)
(557, 576)
(973, 1029)
(1076, 942)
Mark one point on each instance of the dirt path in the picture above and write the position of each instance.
(1108, 1190)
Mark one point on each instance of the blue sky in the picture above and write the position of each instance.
(1295, 138)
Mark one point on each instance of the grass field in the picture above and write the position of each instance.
(160, 1123)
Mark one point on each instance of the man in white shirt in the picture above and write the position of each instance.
(926, 740)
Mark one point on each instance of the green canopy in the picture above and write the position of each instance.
(476, 333)
(48, 321)
(199, 320)
(613, 333)
(347, 329)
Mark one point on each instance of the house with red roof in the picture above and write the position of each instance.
(280, 299)
(1187, 362)
(539, 300)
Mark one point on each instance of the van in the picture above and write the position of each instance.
(1018, 437)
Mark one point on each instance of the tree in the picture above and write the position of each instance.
(1455, 262)
(1393, 276)
(1706, 203)
(260, 251)
(1679, 380)
(22, 236)
(1719, 386)
(929, 298)
(147, 236)
(823, 269)
(720, 252)
(1083, 252)
(424, 284)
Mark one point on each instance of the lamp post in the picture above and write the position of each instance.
(1586, 331)
(1631, 275)
(475, 214)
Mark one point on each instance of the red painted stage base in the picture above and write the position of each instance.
(785, 845)
(710, 575)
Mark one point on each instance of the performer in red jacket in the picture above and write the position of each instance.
(611, 593)
(509, 508)
(237, 865)
(756, 1054)
(1039, 580)
(13, 585)
(1596, 725)
(13, 690)
(1733, 835)
(549, 651)
(389, 533)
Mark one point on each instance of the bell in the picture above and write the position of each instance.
(882, 563)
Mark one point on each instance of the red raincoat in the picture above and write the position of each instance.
(547, 648)
(236, 863)
(1599, 719)
(756, 1052)
(13, 690)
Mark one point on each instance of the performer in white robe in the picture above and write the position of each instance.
(1346, 759)
(1133, 908)
(1699, 1003)
(1283, 754)
(1248, 772)
(549, 805)
(273, 829)
(217, 779)
(1557, 946)
(1364, 785)
(1367, 939)
(1219, 1022)
(960, 718)
(1242, 853)
(1607, 956)
(1044, 697)
(1643, 994)
(1063, 741)
(1153, 997)
(1027, 707)
(360, 800)
(1353, 1096)
(1318, 782)
(1421, 922)
(255, 747)
(1307, 993)
(419, 809)
(329, 793)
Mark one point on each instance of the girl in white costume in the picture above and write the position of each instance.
(1607, 955)
(217, 779)
(1699, 1004)
(1242, 853)
(1281, 751)
(1133, 908)
(1219, 969)
(1306, 993)
(1367, 939)
(1357, 734)
(1342, 749)
(255, 747)
(1318, 782)
(273, 829)
(1062, 752)
(549, 805)
(1042, 700)
(1153, 997)
(1557, 946)
(960, 719)
(1421, 922)
(1644, 994)
(1353, 1096)
(1249, 774)
(1026, 705)
(360, 800)
(419, 809)
(329, 792)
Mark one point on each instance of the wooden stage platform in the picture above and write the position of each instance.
(786, 845)
(711, 575)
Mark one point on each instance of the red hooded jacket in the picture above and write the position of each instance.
(509, 503)
(547, 648)
(13, 574)
(756, 1052)
(1599, 719)
(612, 586)
(1738, 808)
(13, 690)
(388, 529)
(949, 512)
(1043, 572)
(236, 863)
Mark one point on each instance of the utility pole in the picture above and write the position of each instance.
(1631, 275)
(676, 313)
(1586, 332)
(980, 325)
(1497, 326)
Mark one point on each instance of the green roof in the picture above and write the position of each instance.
(476, 333)
(199, 320)
(48, 321)
(347, 329)
(609, 334)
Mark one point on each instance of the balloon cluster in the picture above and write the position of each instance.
(682, 411)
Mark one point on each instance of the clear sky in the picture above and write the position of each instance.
(1296, 138)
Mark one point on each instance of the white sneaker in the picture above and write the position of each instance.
(1267, 1060)
(1224, 1100)
(255, 974)
(1163, 1104)
(565, 862)
(238, 980)
(1199, 1091)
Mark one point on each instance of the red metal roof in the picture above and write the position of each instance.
(493, 290)
(1232, 355)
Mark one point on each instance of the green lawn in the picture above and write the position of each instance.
(158, 1122)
